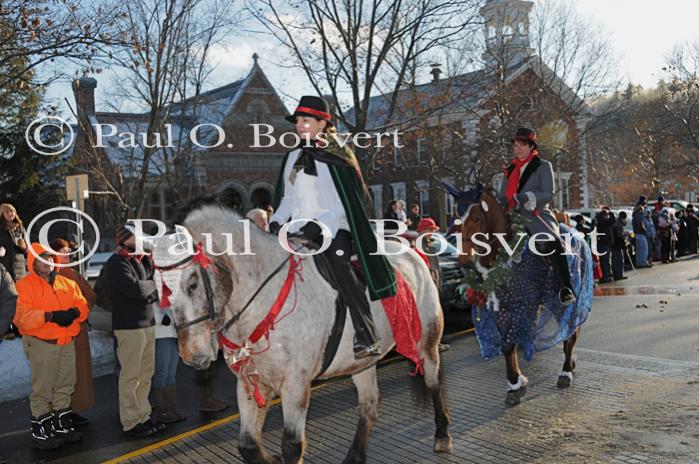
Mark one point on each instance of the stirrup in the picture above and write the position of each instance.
(361, 352)
(567, 300)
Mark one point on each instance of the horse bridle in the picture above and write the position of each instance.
(211, 314)
(480, 223)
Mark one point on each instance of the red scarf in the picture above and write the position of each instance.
(513, 180)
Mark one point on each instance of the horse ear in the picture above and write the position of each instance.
(479, 190)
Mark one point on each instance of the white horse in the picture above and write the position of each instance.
(296, 345)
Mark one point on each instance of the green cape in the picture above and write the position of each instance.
(377, 271)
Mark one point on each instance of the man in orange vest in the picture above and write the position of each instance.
(50, 309)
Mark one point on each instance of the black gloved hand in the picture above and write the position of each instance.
(274, 227)
(152, 298)
(65, 317)
(311, 231)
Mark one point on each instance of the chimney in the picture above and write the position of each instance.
(436, 71)
(84, 93)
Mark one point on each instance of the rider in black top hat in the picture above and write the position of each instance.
(321, 181)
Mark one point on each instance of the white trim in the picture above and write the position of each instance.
(561, 178)
(400, 187)
(421, 150)
(397, 162)
(377, 193)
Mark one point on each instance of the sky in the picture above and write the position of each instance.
(641, 32)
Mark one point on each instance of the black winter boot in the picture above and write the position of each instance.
(63, 426)
(43, 436)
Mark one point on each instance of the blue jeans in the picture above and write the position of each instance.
(166, 359)
(641, 250)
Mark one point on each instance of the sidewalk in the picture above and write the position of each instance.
(103, 437)
(16, 378)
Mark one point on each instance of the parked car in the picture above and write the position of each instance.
(676, 204)
(95, 265)
(452, 276)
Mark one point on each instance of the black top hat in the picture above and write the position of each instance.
(525, 134)
(314, 107)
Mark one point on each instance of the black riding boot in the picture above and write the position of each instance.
(559, 262)
(353, 292)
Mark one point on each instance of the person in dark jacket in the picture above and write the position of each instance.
(619, 247)
(682, 245)
(13, 250)
(605, 220)
(133, 296)
(8, 300)
(692, 229)
(414, 216)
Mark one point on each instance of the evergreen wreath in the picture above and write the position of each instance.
(476, 286)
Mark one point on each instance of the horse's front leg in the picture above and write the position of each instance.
(516, 382)
(252, 419)
(565, 378)
(368, 396)
(296, 396)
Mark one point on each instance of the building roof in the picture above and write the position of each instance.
(461, 94)
(210, 108)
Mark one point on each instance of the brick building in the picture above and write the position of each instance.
(458, 120)
(245, 174)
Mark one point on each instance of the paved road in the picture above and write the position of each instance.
(664, 330)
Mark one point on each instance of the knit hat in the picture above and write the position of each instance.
(124, 233)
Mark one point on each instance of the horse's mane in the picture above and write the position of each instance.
(199, 202)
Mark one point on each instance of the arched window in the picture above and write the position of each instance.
(257, 106)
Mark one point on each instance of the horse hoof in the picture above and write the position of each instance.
(565, 379)
(442, 445)
(514, 397)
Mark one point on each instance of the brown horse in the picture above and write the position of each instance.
(485, 215)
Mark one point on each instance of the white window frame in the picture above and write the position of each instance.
(397, 163)
(448, 198)
(377, 193)
(421, 150)
(398, 190)
(563, 181)
(423, 188)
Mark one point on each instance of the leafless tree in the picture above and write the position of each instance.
(36, 33)
(163, 71)
(353, 49)
(682, 100)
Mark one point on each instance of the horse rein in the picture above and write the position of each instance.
(211, 313)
